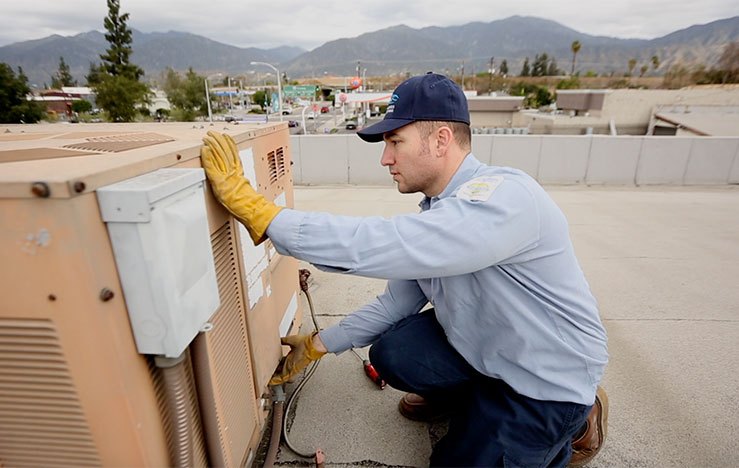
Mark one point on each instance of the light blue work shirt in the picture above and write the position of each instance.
(492, 254)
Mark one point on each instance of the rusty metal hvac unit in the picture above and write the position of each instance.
(139, 325)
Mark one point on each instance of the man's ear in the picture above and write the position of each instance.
(444, 139)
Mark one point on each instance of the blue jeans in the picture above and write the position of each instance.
(492, 425)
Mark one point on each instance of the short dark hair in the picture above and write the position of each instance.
(461, 130)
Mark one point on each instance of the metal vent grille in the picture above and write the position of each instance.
(280, 157)
(272, 167)
(118, 143)
(228, 347)
(276, 164)
(41, 419)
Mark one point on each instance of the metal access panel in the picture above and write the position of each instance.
(158, 228)
(271, 280)
(74, 389)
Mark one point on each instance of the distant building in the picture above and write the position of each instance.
(495, 114)
(59, 101)
(635, 111)
(159, 101)
(695, 120)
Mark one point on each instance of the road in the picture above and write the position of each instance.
(330, 122)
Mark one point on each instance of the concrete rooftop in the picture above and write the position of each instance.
(663, 263)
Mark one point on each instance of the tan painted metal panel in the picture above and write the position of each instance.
(57, 266)
(57, 260)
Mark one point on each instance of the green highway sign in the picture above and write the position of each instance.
(299, 90)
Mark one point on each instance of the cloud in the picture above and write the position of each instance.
(309, 24)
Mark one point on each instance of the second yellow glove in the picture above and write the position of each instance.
(220, 159)
(302, 353)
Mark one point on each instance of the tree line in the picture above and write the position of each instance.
(537, 95)
(115, 81)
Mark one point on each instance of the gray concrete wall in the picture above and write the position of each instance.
(551, 159)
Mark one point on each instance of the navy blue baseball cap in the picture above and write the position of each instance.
(424, 97)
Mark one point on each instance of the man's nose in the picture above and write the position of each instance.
(387, 159)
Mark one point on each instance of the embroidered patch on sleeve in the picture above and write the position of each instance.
(479, 188)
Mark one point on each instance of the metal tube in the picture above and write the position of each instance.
(188, 449)
(203, 381)
(277, 415)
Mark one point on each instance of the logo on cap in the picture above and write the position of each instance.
(391, 107)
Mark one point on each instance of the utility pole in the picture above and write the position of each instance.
(359, 74)
(359, 89)
(490, 87)
(463, 62)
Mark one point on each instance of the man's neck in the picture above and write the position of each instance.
(452, 162)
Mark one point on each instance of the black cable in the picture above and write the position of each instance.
(304, 274)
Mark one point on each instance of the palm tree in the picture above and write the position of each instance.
(632, 65)
(655, 62)
(575, 49)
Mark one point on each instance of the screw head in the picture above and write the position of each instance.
(40, 189)
(106, 294)
(79, 186)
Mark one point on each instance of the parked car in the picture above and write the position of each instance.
(324, 109)
(351, 125)
(293, 123)
(287, 110)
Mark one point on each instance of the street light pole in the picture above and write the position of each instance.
(230, 100)
(207, 99)
(207, 95)
(279, 84)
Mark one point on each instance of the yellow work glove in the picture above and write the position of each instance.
(222, 165)
(302, 352)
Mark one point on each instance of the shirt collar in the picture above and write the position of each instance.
(466, 170)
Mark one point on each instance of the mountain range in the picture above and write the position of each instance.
(153, 52)
(398, 49)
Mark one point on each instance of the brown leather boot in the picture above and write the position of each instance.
(588, 444)
(416, 408)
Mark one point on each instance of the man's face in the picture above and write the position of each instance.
(409, 159)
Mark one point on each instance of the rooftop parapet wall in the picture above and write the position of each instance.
(551, 159)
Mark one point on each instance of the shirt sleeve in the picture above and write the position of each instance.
(362, 327)
(455, 236)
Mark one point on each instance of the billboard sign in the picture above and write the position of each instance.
(292, 91)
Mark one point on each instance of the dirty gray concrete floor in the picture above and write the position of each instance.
(663, 263)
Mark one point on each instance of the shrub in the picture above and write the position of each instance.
(81, 106)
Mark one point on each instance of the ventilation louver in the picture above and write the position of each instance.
(41, 419)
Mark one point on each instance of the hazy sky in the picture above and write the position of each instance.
(308, 24)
